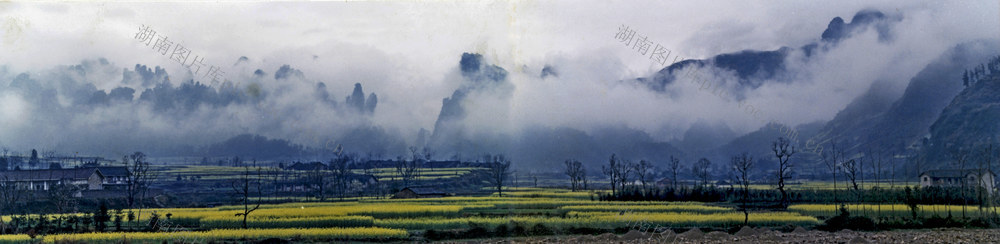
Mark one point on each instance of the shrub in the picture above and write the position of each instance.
(519, 230)
(584, 231)
(432, 235)
(846, 221)
(501, 230)
(540, 229)
(476, 232)
(939, 222)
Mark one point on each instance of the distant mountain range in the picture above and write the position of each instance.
(872, 123)
(932, 116)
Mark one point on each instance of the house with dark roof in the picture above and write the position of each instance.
(419, 192)
(957, 178)
(114, 176)
(43, 180)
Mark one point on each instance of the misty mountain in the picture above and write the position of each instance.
(703, 136)
(286, 71)
(535, 147)
(759, 144)
(143, 108)
(478, 78)
(578, 104)
(868, 124)
(838, 29)
(754, 67)
(968, 123)
(358, 102)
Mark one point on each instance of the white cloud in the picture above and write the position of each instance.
(408, 53)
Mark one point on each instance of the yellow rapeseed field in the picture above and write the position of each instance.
(367, 233)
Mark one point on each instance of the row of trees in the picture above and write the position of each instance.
(973, 75)
(623, 173)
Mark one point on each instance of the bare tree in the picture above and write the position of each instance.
(137, 180)
(642, 171)
(995, 194)
(875, 163)
(675, 166)
(10, 194)
(62, 196)
(245, 188)
(611, 170)
(574, 169)
(985, 160)
(499, 170)
(400, 166)
(625, 172)
(700, 170)
(368, 170)
(832, 163)
(979, 181)
(318, 181)
(619, 171)
(783, 151)
(273, 174)
(960, 157)
(851, 169)
(340, 169)
(892, 182)
(408, 171)
(742, 165)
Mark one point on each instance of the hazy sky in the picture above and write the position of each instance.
(408, 53)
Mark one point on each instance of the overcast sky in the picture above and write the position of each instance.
(408, 53)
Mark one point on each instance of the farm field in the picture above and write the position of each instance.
(206, 172)
(892, 210)
(393, 219)
(828, 185)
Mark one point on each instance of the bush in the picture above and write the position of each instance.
(860, 223)
(584, 231)
(939, 222)
(501, 230)
(846, 221)
(432, 235)
(519, 230)
(540, 229)
(476, 232)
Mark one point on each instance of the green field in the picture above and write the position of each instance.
(372, 219)
(369, 219)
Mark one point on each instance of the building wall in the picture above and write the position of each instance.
(95, 182)
(987, 181)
